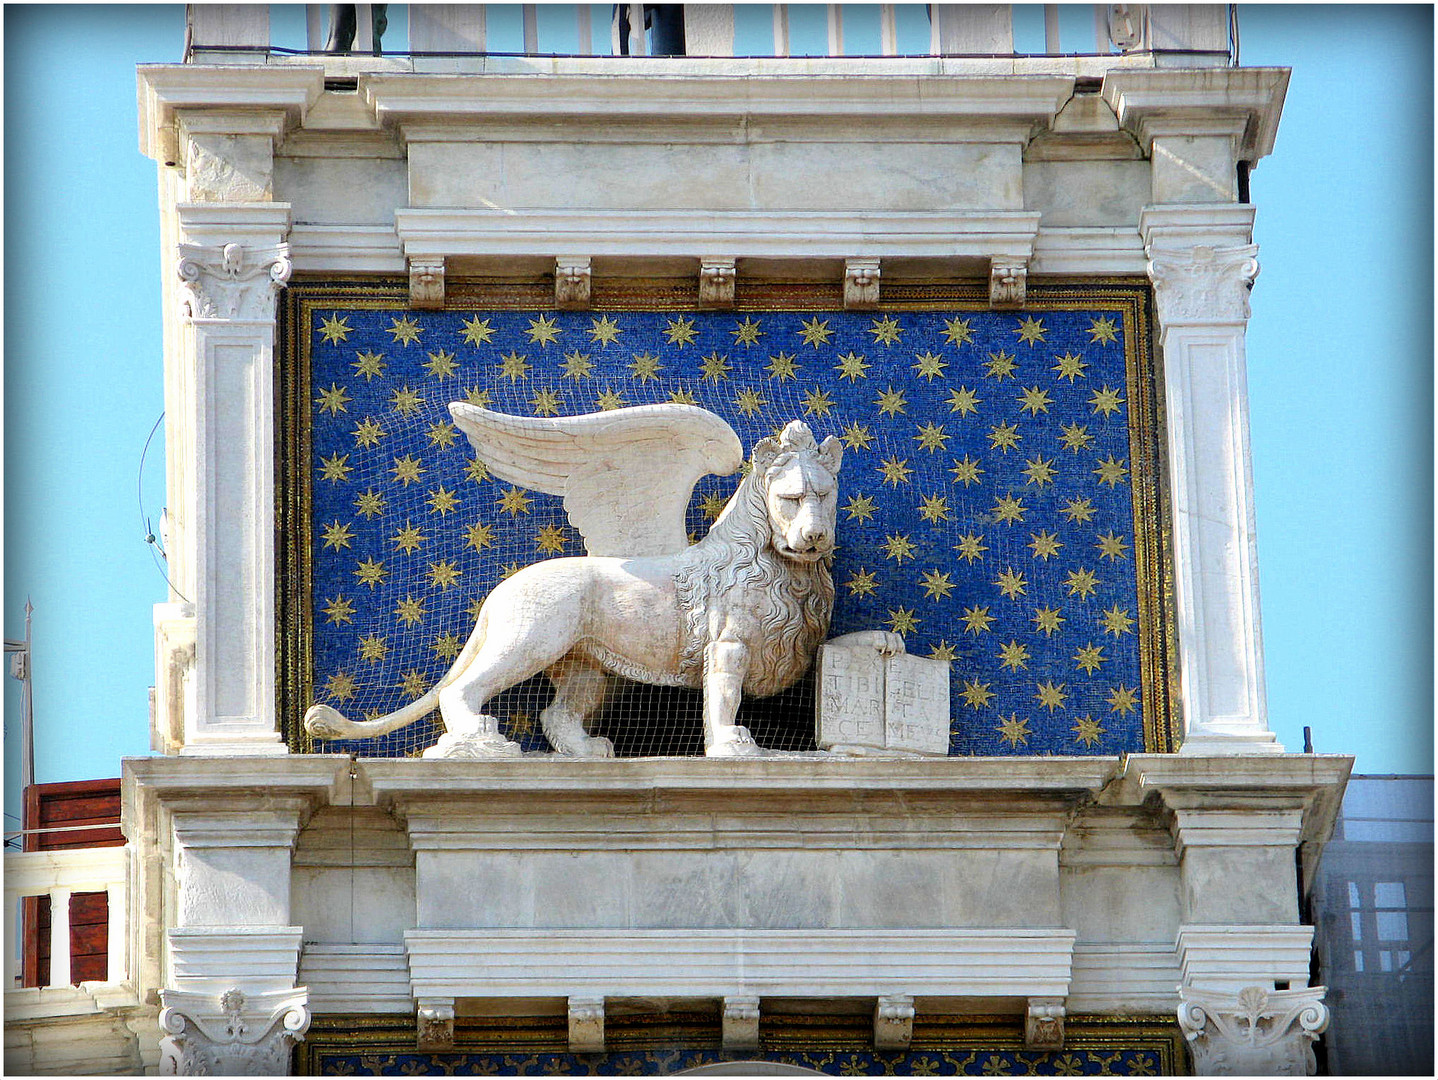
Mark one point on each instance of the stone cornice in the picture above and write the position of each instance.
(165, 90)
(1245, 102)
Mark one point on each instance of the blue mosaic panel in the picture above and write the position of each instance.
(987, 498)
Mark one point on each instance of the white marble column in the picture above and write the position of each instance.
(1202, 264)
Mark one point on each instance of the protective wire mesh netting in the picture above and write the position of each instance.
(986, 506)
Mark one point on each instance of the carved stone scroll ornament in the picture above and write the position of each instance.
(233, 281)
(740, 1028)
(1044, 1025)
(893, 1022)
(716, 283)
(435, 1025)
(573, 279)
(1255, 1032)
(1008, 283)
(231, 1034)
(1202, 284)
(426, 283)
(861, 284)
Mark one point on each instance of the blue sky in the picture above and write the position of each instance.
(1340, 369)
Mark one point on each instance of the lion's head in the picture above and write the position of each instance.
(801, 492)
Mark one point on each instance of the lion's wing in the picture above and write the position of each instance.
(626, 475)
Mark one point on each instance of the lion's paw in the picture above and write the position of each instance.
(588, 746)
(473, 746)
(736, 742)
(323, 722)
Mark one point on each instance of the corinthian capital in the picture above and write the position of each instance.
(231, 1034)
(1255, 1032)
(1202, 284)
(233, 281)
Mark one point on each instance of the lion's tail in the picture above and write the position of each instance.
(325, 722)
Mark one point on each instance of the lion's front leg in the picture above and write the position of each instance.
(725, 665)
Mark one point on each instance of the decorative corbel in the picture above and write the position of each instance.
(434, 1021)
(1044, 1024)
(861, 284)
(586, 1025)
(572, 280)
(1255, 1032)
(741, 1023)
(1008, 282)
(426, 282)
(893, 1022)
(716, 283)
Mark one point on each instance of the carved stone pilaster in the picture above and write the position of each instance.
(1044, 1024)
(893, 1022)
(1008, 283)
(586, 1025)
(232, 281)
(1255, 1032)
(861, 284)
(573, 279)
(1202, 284)
(716, 283)
(426, 283)
(434, 1022)
(741, 1023)
(231, 1034)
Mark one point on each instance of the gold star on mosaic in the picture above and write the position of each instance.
(405, 401)
(1089, 658)
(644, 367)
(1049, 696)
(369, 364)
(332, 400)
(339, 610)
(958, 331)
(1044, 545)
(860, 507)
(1106, 401)
(474, 607)
(1034, 401)
(971, 546)
(929, 365)
(712, 505)
(963, 401)
(680, 331)
(895, 470)
(340, 687)
(1014, 731)
(783, 366)
(749, 402)
(475, 396)
(371, 572)
(966, 472)
(1009, 508)
(1102, 331)
(543, 330)
(335, 329)
(977, 695)
(886, 330)
(683, 397)
(898, 548)
(442, 434)
(479, 536)
(934, 508)
(609, 400)
(1122, 699)
(1080, 510)
(891, 402)
(368, 433)
(1076, 437)
(936, 584)
(441, 501)
(1040, 471)
(476, 470)
(1031, 331)
(857, 436)
(902, 621)
(1111, 471)
(334, 468)
(372, 648)
(370, 503)
(405, 330)
(817, 403)
(337, 535)
(931, 437)
(1014, 656)
(1004, 437)
(747, 332)
(409, 610)
(477, 331)
(545, 402)
(442, 574)
(1001, 365)
(407, 469)
(715, 367)
(1048, 620)
(514, 502)
(514, 367)
(408, 539)
(862, 583)
(851, 366)
(508, 570)
(1069, 367)
(943, 651)
(413, 683)
(441, 364)
(1087, 730)
(1011, 583)
(577, 365)
(1081, 583)
(1116, 621)
(446, 646)
(816, 333)
(604, 331)
(550, 540)
(1111, 546)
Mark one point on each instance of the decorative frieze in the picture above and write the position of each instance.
(426, 283)
(741, 1023)
(1044, 1024)
(861, 284)
(232, 1033)
(716, 283)
(572, 282)
(1008, 283)
(1203, 284)
(1254, 1032)
(232, 282)
(893, 1022)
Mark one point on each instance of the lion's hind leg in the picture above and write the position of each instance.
(580, 687)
